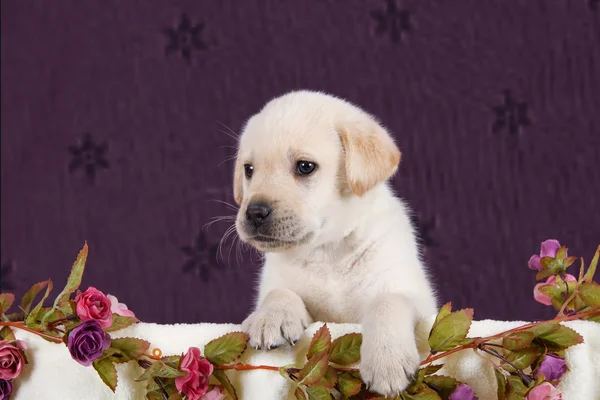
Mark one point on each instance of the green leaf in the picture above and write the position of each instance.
(7, 334)
(74, 279)
(451, 330)
(589, 275)
(330, 378)
(517, 340)
(32, 318)
(554, 292)
(314, 370)
(299, 394)
(6, 301)
(590, 294)
(31, 294)
(318, 393)
(348, 385)
(224, 379)
(320, 343)
(226, 348)
(425, 394)
(107, 371)
(544, 328)
(501, 382)
(171, 361)
(522, 358)
(120, 322)
(515, 388)
(445, 310)
(175, 396)
(160, 369)
(432, 369)
(126, 349)
(444, 385)
(346, 349)
(560, 338)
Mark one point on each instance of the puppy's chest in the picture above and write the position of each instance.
(328, 296)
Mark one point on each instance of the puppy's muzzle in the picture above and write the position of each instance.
(258, 214)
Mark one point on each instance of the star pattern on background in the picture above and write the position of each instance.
(511, 116)
(392, 20)
(593, 4)
(88, 156)
(201, 256)
(185, 38)
(6, 272)
(425, 230)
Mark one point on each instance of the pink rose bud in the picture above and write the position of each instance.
(463, 392)
(545, 391)
(93, 304)
(541, 297)
(198, 370)
(119, 308)
(549, 248)
(215, 394)
(552, 367)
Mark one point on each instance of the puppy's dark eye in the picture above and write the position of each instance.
(305, 167)
(248, 170)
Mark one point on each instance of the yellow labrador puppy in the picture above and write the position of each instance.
(310, 180)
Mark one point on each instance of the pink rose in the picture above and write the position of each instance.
(215, 394)
(195, 383)
(549, 248)
(119, 308)
(545, 391)
(12, 359)
(551, 281)
(93, 304)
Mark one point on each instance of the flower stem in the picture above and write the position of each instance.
(246, 367)
(163, 391)
(524, 377)
(52, 324)
(21, 325)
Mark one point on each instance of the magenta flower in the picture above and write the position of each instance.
(549, 248)
(93, 304)
(551, 281)
(119, 308)
(463, 392)
(198, 370)
(552, 366)
(545, 391)
(87, 342)
(5, 389)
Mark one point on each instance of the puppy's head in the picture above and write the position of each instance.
(302, 162)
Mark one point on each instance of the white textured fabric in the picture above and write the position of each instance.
(52, 374)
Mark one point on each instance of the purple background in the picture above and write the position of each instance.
(495, 105)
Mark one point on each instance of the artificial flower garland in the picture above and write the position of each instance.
(528, 361)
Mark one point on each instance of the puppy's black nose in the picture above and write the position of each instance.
(258, 213)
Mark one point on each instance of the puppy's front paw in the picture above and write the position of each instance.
(388, 368)
(272, 328)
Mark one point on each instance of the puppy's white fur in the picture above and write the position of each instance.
(341, 247)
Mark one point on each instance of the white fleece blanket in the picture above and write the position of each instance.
(52, 374)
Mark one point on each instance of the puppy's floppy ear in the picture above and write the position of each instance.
(371, 154)
(238, 181)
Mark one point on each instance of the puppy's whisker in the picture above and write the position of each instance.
(232, 206)
(226, 235)
(227, 159)
(218, 219)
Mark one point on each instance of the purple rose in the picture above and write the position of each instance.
(463, 392)
(553, 367)
(5, 389)
(549, 248)
(87, 342)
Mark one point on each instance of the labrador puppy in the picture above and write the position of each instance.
(310, 180)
